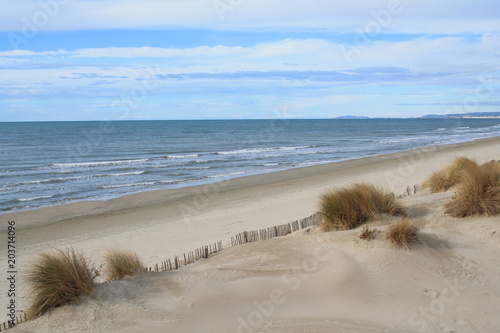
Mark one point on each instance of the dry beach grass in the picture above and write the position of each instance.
(402, 233)
(441, 181)
(350, 207)
(478, 192)
(120, 263)
(59, 278)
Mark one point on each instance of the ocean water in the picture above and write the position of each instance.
(49, 163)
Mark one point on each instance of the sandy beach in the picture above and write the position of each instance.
(305, 282)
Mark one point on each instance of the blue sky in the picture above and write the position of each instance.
(225, 59)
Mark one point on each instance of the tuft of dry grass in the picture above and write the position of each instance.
(351, 207)
(442, 181)
(59, 278)
(401, 233)
(478, 192)
(367, 233)
(120, 263)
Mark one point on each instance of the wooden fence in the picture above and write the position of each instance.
(410, 191)
(19, 319)
(272, 232)
(187, 258)
(241, 238)
(207, 251)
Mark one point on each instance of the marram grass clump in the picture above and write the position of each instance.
(478, 192)
(367, 233)
(59, 278)
(348, 208)
(402, 233)
(120, 263)
(442, 181)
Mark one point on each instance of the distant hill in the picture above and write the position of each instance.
(464, 115)
(352, 117)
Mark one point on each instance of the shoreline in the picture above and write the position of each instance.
(88, 208)
(157, 225)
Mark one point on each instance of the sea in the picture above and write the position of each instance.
(50, 163)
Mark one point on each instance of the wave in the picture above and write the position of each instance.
(122, 174)
(50, 181)
(93, 164)
(228, 174)
(183, 156)
(461, 129)
(62, 180)
(261, 150)
(197, 168)
(404, 139)
(127, 185)
(170, 182)
(34, 198)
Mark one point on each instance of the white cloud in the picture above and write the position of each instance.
(428, 54)
(403, 16)
(306, 74)
(156, 52)
(27, 53)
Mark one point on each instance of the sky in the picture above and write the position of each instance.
(239, 59)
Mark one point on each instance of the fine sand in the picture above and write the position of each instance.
(305, 282)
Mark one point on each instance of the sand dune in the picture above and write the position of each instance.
(305, 282)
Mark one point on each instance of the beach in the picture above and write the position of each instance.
(349, 286)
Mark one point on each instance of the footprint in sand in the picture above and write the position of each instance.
(431, 293)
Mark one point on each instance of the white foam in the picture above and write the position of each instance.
(197, 168)
(127, 185)
(53, 180)
(228, 175)
(260, 150)
(93, 164)
(34, 198)
(122, 174)
(183, 156)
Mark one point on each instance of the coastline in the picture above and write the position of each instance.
(56, 178)
(151, 198)
(158, 225)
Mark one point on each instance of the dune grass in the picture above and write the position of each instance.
(120, 263)
(367, 233)
(478, 192)
(442, 181)
(402, 233)
(59, 278)
(348, 208)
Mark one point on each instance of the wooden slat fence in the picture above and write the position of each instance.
(410, 190)
(186, 258)
(19, 319)
(272, 232)
(207, 251)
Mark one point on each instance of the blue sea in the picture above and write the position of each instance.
(49, 163)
